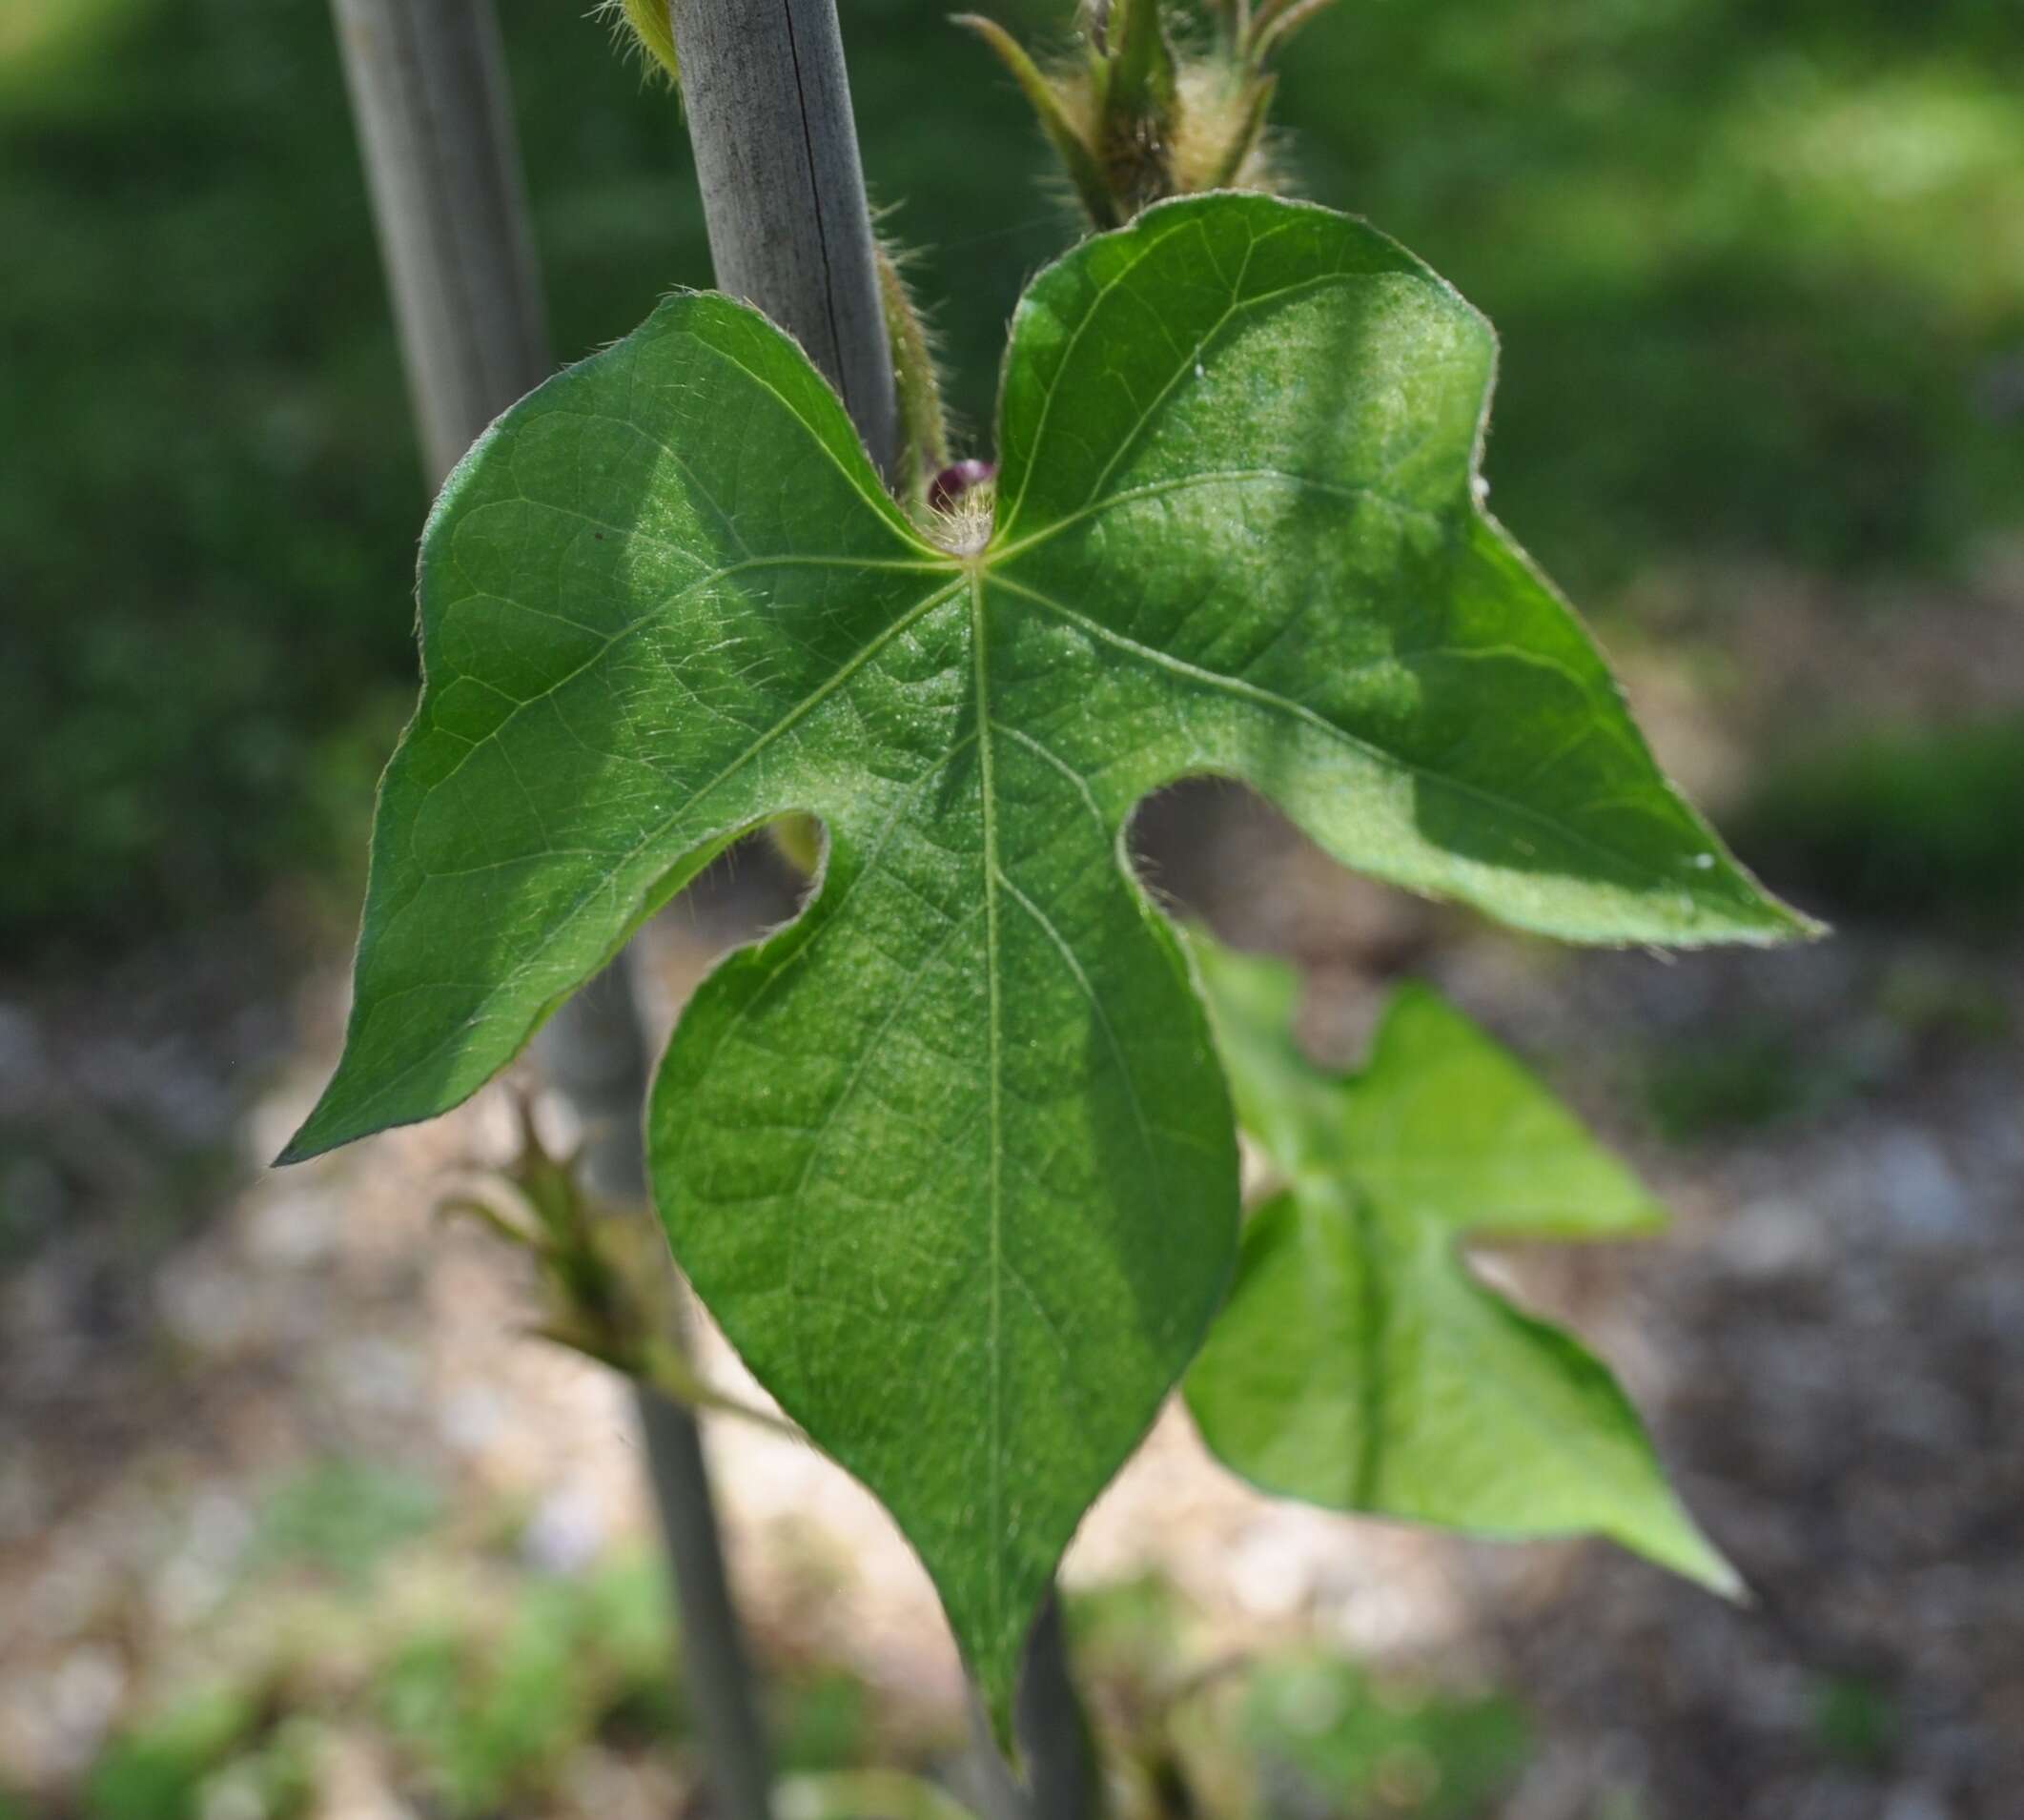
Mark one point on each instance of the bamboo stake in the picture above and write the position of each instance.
(427, 85)
(768, 109)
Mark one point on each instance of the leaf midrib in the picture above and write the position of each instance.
(987, 810)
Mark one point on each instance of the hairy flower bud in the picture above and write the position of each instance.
(1135, 121)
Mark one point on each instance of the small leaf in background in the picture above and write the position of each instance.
(1358, 1364)
(951, 1158)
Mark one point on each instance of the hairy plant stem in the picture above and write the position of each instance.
(426, 80)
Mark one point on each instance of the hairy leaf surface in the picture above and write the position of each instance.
(951, 1157)
(1358, 1364)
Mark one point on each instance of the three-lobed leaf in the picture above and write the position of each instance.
(1358, 1364)
(951, 1157)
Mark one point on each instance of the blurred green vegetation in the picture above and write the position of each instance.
(1335, 1741)
(217, 1749)
(486, 1717)
(1758, 265)
(341, 1518)
(1740, 1080)
(1902, 822)
(480, 1714)
(359, 1610)
(208, 548)
(517, 1692)
(1855, 1721)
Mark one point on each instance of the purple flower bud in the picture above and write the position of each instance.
(956, 480)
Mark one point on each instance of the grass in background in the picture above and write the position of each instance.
(1759, 270)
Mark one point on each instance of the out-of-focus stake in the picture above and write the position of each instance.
(427, 87)
(428, 91)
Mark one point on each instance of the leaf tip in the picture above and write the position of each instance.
(312, 1139)
(996, 1690)
(1670, 1538)
(1697, 1558)
(1799, 926)
(1752, 913)
(1784, 928)
(1730, 906)
(332, 1122)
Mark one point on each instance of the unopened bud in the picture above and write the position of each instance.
(945, 492)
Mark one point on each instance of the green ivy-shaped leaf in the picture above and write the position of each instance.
(951, 1157)
(1358, 1364)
